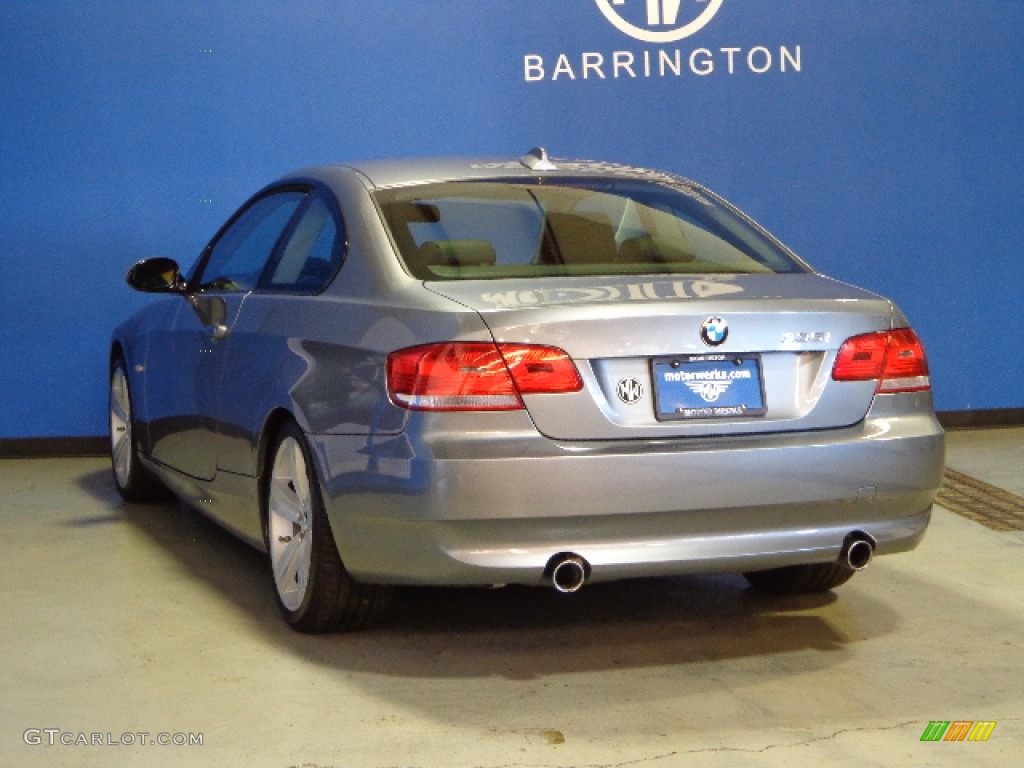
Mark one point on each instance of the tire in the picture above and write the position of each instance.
(800, 579)
(314, 591)
(133, 481)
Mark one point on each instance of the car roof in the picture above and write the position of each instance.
(399, 172)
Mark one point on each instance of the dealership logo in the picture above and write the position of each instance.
(714, 331)
(629, 390)
(659, 25)
(709, 391)
(659, 21)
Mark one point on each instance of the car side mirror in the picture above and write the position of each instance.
(156, 275)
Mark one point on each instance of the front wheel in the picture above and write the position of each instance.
(133, 481)
(800, 579)
(314, 591)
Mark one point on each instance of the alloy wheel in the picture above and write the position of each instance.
(290, 521)
(120, 427)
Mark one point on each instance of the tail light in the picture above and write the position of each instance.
(894, 358)
(474, 376)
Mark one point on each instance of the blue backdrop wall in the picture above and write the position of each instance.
(881, 139)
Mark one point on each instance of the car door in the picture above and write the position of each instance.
(267, 363)
(185, 362)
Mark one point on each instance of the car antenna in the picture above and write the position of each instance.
(537, 160)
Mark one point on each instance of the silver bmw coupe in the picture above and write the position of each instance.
(476, 372)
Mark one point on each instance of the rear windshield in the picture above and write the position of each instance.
(472, 230)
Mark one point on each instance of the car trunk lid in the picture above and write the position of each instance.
(686, 356)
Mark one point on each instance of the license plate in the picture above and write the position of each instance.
(708, 386)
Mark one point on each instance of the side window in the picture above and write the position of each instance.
(240, 255)
(312, 254)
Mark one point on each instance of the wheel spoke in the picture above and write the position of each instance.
(122, 455)
(284, 503)
(119, 406)
(286, 459)
(300, 477)
(305, 561)
(286, 565)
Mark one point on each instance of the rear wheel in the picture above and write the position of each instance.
(800, 579)
(133, 481)
(314, 591)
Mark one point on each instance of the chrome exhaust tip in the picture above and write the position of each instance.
(567, 572)
(858, 551)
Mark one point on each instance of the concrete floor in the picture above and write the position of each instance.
(126, 620)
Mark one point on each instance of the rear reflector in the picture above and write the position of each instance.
(477, 376)
(895, 359)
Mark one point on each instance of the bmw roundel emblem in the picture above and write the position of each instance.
(714, 331)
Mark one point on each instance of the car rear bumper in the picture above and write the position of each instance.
(459, 508)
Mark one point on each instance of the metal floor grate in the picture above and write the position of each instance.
(977, 500)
